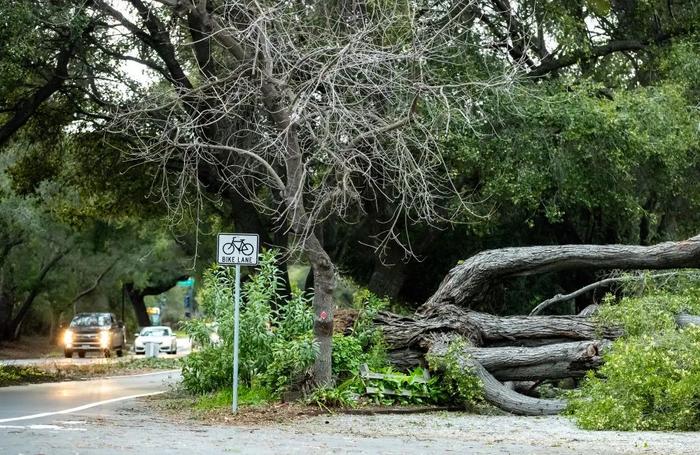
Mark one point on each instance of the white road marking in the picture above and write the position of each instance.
(80, 408)
(41, 427)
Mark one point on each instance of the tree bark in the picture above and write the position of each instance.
(137, 302)
(685, 320)
(472, 281)
(555, 361)
(137, 297)
(510, 363)
(12, 330)
(389, 273)
(497, 393)
(484, 329)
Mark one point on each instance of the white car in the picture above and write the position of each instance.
(157, 334)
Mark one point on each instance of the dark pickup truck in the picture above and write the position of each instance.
(99, 332)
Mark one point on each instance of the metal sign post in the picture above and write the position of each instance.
(236, 307)
(237, 249)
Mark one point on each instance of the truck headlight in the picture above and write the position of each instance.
(105, 339)
(68, 338)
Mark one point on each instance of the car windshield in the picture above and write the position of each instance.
(155, 332)
(91, 320)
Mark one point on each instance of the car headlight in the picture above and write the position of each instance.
(68, 338)
(105, 339)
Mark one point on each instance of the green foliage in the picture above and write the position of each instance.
(343, 396)
(369, 338)
(648, 314)
(223, 398)
(463, 387)
(291, 360)
(276, 346)
(16, 375)
(407, 388)
(586, 153)
(347, 355)
(651, 377)
(647, 383)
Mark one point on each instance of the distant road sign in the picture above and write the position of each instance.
(237, 249)
(186, 283)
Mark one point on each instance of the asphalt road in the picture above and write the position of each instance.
(29, 404)
(107, 416)
(184, 347)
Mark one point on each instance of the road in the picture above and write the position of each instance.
(112, 415)
(37, 402)
(131, 427)
(184, 347)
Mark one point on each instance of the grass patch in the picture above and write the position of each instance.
(52, 372)
(152, 363)
(18, 375)
(255, 396)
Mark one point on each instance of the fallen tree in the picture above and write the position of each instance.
(521, 348)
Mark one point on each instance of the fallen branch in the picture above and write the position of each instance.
(566, 297)
(498, 394)
(472, 281)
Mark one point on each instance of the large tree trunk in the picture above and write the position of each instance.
(473, 280)
(138, 304)
(13, 327)
(137, 296)
(522, 348)
(389, 273)
(508, 363)
(484, 329)
(324, 285)
(497, 393)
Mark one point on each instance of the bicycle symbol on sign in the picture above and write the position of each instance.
(241, 246)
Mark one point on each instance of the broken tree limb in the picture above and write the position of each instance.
(684, 320)
(590, 310)
(498, 394)
(554, 361)
(522, 348)
(566, 297)
(482, 329)
(472, 281)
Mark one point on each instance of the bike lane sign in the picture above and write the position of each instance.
(237, 249)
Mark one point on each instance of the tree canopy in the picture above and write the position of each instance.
(364, 135)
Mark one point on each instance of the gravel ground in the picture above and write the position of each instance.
(134, 429)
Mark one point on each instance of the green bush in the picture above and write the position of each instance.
(651, 313)
(460, 386)
(646, 383)
(276, 346)
(651, 376)
(347, 355)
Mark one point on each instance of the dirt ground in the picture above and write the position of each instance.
(136, 428)
(294, 428)
(29, 348)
